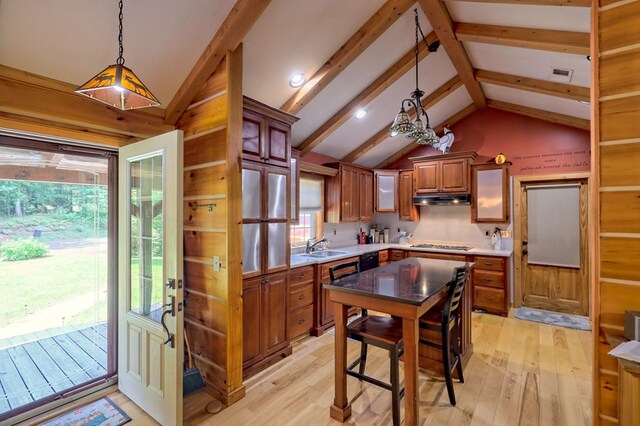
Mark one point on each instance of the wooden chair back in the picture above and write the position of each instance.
(349, 268)
(454, 295)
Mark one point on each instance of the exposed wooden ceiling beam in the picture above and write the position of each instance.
(347, 53)
(379, 85)
(51, 174)
(442, 24)
(530, 38)
(438, 129)
(230, 34)
(576, 3)
(576, 93)
(382, 135)
(50, 101)
(552, 117)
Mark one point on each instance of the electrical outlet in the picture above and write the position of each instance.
(486, 233)
(216, 263)
(334, 231)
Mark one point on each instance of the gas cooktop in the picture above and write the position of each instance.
(443, 247)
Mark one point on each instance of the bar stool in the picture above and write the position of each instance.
(382, 332)
(446, 319)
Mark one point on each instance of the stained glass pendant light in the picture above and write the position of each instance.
(117, 85)
(403, 124)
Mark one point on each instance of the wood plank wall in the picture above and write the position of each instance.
(39, 105)
(212, 127)
(615, 160)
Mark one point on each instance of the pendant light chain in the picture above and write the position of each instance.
(417, 47)
(120, 60)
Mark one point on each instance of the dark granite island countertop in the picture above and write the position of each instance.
(411, 280)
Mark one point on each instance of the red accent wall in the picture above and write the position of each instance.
(532, 146)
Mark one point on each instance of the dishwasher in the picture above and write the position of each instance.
(368, 261)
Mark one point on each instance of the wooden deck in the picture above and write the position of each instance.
(41, 364)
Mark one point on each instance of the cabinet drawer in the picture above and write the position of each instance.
(440, 256)
(383, 255)
(300, 296)
(300, 321)
(301, 275)
(495, 263)
(488, 298)
(396, 255)
(488, 278)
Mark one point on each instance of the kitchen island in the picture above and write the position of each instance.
(406, 289)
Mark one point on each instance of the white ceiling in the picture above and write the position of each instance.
(71, 40)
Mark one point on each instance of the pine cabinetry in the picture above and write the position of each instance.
(265, 303)
(395, 255)
(490, 290)
(349, 195)
(383, 257)
(449, 173)
(300, 301)
(407, 211)
(265, 212)
(266, 134)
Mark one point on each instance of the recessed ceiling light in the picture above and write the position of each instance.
(297, 79)
(360, 113)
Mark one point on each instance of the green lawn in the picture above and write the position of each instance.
(40, 283)
(43, 282)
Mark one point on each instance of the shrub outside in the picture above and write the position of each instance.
(22, 249)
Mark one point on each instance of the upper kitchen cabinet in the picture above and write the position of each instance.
(407, 211)
(349, 195)
(266, 134)
(448, 173)
(386, 191)
(490, 193)
(265, 213)
(295, 186)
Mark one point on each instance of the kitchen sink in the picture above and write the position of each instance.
(326, 253)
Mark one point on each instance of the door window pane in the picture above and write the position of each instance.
(146, 221)
(553, 215)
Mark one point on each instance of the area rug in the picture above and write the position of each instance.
(102, 412)
(553, 318)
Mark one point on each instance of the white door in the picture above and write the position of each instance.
(150, 294)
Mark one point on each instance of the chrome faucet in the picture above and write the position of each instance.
(311, 243)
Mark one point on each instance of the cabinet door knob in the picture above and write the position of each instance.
(488, 279)
(301, 297)
(300, 322)
(301, 276)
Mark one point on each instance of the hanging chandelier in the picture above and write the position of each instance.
(117, 85)
(416, 128)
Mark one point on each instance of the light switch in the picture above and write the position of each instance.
(216, 263)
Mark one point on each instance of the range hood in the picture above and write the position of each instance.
(442, 200)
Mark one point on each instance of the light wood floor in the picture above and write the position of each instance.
(521, 373)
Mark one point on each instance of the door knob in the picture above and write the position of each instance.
(525, 242)
(525, 251)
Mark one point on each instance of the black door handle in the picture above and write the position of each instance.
(524, 251)
(525, 242)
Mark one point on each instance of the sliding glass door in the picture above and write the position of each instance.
(57, 316)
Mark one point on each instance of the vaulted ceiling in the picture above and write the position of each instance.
(356, 54)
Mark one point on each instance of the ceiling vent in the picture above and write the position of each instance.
(561, 75)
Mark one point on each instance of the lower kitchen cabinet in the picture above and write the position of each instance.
(441, 256)
(265, 308)
(395, 255)
(323, 318)
(383, 257)
(300, 301)
(490, 289)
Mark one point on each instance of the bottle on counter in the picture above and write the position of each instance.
(386, 235)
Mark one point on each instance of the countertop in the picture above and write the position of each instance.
(356, 250)
(412, 280)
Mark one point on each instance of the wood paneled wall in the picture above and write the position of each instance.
(616, 190)
(39, 105)
(212, 127)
